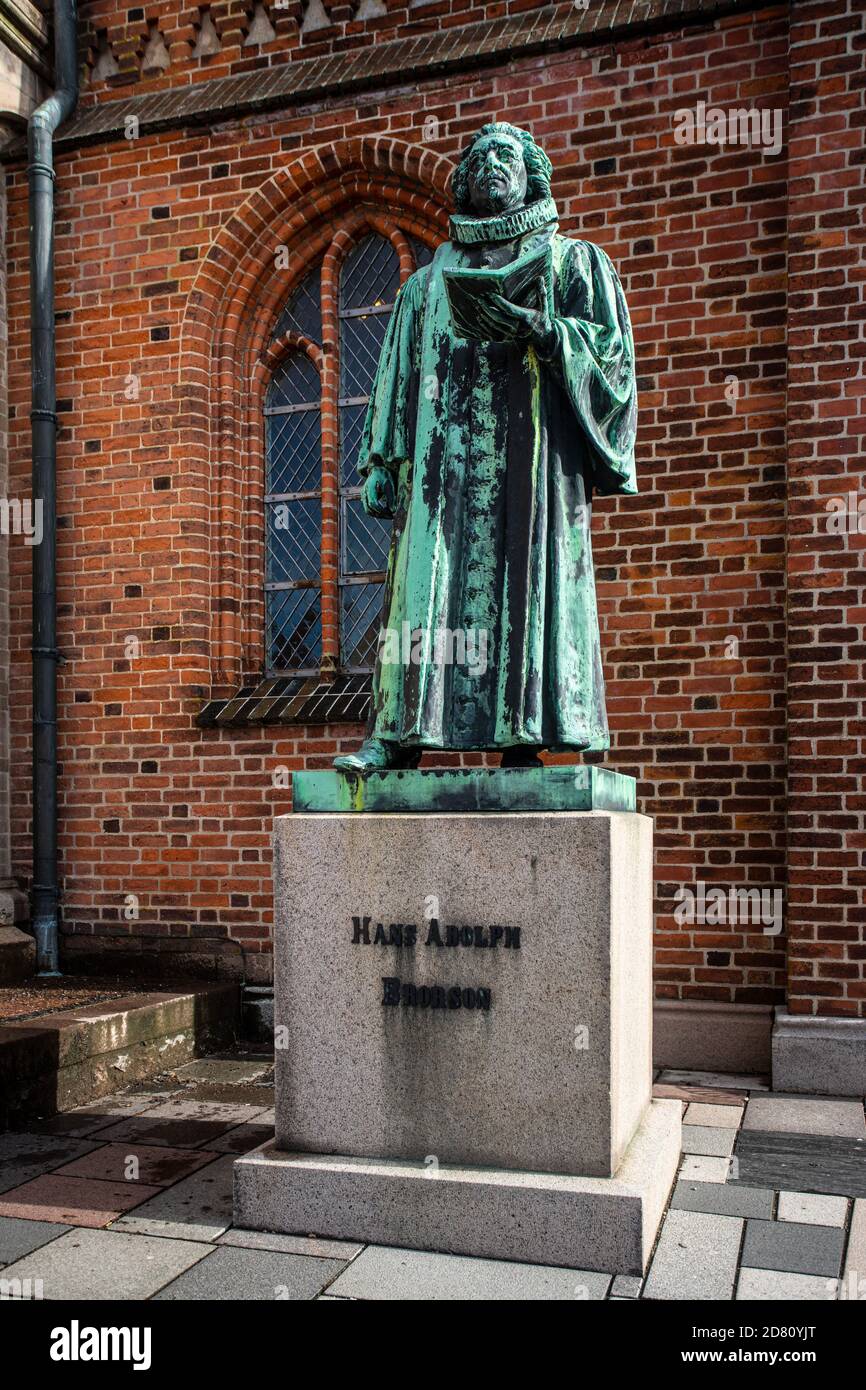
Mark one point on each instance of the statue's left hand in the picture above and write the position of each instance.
(378, 495)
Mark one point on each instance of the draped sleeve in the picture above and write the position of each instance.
(389, 425)
(593, 356)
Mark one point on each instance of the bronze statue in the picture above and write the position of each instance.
(504, 398)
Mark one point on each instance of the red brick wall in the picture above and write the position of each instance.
(153, 235)
(825, 568)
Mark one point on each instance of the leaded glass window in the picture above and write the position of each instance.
(299, 570)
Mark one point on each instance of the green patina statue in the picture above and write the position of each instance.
(504, 398)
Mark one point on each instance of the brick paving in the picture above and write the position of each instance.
(131, 1198)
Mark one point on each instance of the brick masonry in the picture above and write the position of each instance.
(167, 285)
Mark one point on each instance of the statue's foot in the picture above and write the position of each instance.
(521, 755)
(377, 755)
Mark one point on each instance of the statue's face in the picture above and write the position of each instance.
(497, 175)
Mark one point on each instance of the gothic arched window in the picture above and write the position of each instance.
(325, 558)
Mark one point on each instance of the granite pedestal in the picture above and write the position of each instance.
(463, 1027)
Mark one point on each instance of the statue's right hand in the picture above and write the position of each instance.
(379, 496)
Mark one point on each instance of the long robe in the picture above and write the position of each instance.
(495, 454)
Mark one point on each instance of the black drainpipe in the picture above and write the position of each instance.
(43, 416)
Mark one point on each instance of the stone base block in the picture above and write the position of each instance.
(820, 1056)
(607, 1224)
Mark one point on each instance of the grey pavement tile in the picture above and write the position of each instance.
(259, 1275)
(19, 1237)
(702, 1139)
(85, 1264)
(723, 1199)
(382, 1272)
(812, 1208)
(801, 1163)
(198, 1208)
(717, 1116)
(806, 1115)
(24, 1156)
(705, 1168)
(626, 1286)
(696, 1257)
(292, 1245)
(795, 1248)
(767, 1285)
(714, 1080)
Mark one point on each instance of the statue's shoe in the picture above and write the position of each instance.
(375, 755)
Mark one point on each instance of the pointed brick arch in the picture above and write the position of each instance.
(254, 262)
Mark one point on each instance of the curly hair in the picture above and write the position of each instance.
(538, 166)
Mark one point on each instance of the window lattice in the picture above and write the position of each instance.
(369, 280)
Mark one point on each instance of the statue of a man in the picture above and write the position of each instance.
(486, 451)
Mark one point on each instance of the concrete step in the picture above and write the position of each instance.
(65, 1059)
(17, 954)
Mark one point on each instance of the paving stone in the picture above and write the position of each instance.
(173, 1134)
(696, 1257)
(18, 1238)
(699, 1094)
(723, 1199)
(715, 1116)
(626, 1286)
(854, 1274)
(770, 1284)
(794, 1247)
(812, 1208)
(158, 1167)
(73, 1201)
(801, 1162)
(806, 1115)
(292, 1245)
(181, 1124)
(92, 1119)
(84, 1265)
(704, 1168)
(714, 1079)
(182, 1109)
(703, 1139)
(242, 1139)
(252, 1275)
(198, 1208)
(382, 1272)
(25, 1156)
(231, 1071)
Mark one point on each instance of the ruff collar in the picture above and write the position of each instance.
(506, 226)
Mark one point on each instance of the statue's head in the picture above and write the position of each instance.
(501, 169)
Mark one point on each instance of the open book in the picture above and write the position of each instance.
(520, 281)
